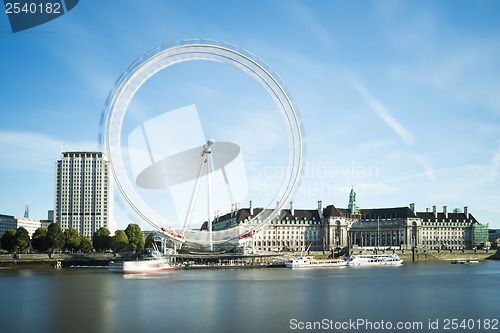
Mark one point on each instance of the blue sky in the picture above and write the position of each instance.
(397, 98)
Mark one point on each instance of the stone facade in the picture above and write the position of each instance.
(400, 227)
(327, 228)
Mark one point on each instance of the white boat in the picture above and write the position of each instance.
(376, 259)
(140, 266)
(465, 261)
(154, 264)
(310, 262)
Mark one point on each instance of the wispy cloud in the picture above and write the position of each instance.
(495, 165)
(459, 63)
(428, 170)
(383, 113)
(34, 151)
(311, 23)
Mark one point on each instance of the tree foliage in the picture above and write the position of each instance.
(22, 240)
(119, 242)
(55, 237)
(148, 243)
(72, 239)
(101, 239)
(135, 237)
(39, 241)
(8, 240)
(85, 244)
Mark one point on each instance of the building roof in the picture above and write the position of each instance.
(300, 214)
(373, 213)
(385, 213)
(332, 211)
(440, 216)
(395, 212)
(244, 213)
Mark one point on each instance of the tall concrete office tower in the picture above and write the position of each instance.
(83, 197)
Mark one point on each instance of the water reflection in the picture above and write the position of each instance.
(259, 300)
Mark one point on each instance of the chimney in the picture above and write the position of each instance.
(466, 211)
(251, 208)
(412, 208)
(427, 210)
(445, 212)
(320, 209)
(434, 211)
(292, 211)
(233, 208)
(237, 206)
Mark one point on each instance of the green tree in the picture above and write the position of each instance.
(135, 237)
(119, 242)
(148, 243)
(39, 241)
(55, 237)
(101, 239)
(85, 244)
(71, 239)
(8, 240)
(22, 240)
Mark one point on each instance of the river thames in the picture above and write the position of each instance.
(348, 299)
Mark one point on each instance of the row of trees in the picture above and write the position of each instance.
(131, 239)
(53, 239)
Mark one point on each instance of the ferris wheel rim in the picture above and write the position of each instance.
(288, 108)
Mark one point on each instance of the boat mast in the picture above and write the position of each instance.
(378, 233)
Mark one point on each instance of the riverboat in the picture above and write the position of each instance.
(310, 262)
(465, 261)
(152, 264)
(380, 259)
(140, 266)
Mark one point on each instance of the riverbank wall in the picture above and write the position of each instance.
(434, 255)
(102, 259)
(62, 259)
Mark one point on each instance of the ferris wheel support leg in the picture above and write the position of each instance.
(193, 197)
(209, 202)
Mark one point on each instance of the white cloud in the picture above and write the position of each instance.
(383, 113)
(495, 165)
(428, 170)
(310, 22)
(34, 151)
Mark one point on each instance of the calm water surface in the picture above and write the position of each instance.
(258, 300)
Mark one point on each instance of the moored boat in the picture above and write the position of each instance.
(140, 266)
(376, 259)
(153, 264)
(465, 261)
(310, 262)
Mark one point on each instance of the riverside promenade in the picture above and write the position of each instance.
(434, 255)
(228, 261)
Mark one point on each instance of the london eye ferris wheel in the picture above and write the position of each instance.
(187, 136)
